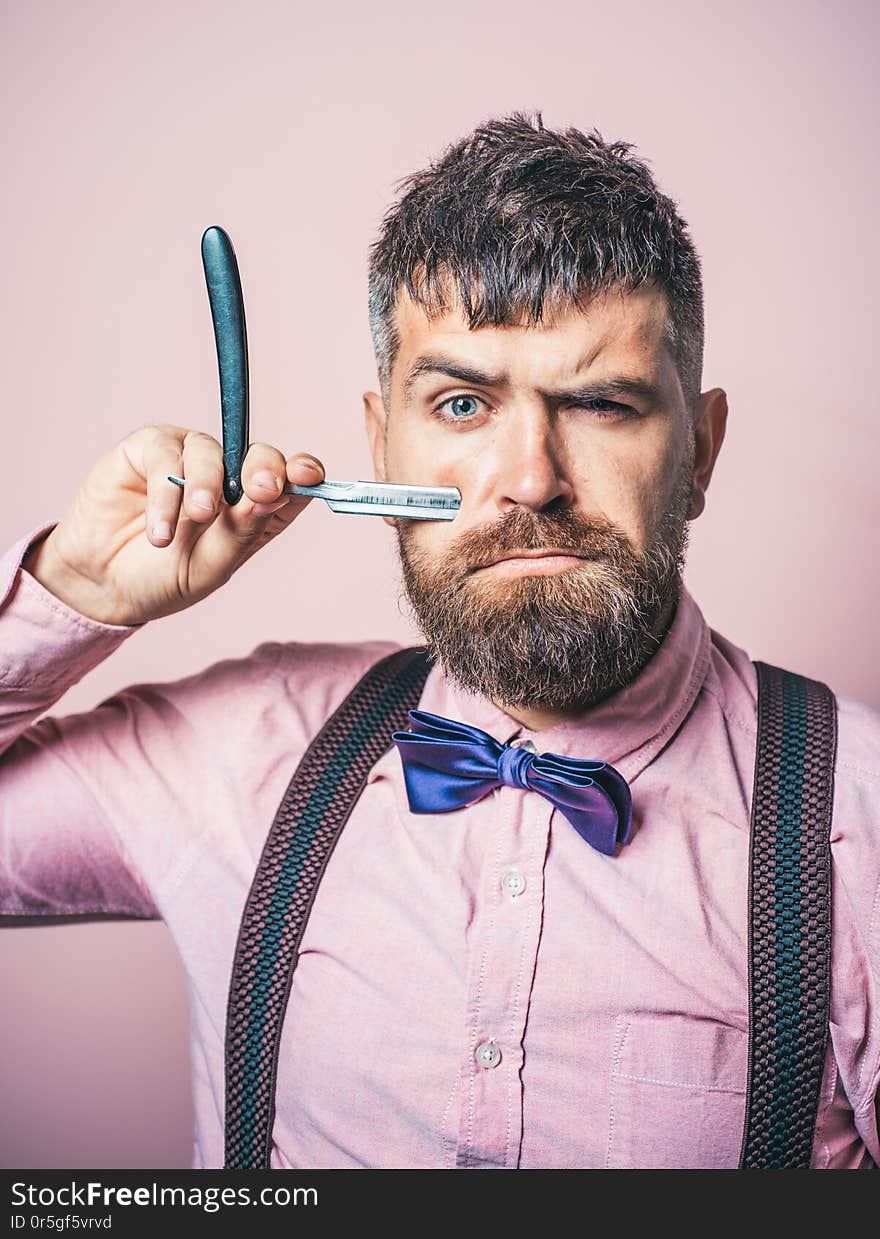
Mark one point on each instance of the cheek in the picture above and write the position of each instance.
(414, 455)
(652, 487)
(628, 486)
(429, 541)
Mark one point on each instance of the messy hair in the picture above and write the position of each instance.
(520, 220)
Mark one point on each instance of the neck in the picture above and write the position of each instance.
(542, 719)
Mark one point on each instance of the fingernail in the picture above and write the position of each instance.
(264, 509)
(267, 479)
(309, 465)
(161, 531)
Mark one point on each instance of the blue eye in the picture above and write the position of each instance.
(457, 414)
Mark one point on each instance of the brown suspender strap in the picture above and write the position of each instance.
(789, 917)
(789, 904)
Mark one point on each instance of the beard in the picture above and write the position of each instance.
(562, 641)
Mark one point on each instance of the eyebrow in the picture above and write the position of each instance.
(600, 389)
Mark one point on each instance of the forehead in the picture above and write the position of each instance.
(614, 327)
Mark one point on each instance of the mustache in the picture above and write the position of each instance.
(520, 529)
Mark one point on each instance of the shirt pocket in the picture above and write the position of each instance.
(678, 1092)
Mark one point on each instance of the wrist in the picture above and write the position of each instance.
(47, 567)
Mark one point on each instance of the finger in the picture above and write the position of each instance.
(203, 476)
(162, 454)
(266, 509)
(262, 473)
(302, 469)
(309, 470)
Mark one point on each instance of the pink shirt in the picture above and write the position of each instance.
(614, 988)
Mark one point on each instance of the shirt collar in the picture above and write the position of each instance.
(627, 729)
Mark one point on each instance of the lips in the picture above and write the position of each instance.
(543, 553)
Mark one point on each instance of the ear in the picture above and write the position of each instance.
(709, 425)
(374, 415)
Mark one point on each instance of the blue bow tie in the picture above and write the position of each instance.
(448, 765)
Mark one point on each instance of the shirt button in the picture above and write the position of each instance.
(513, 883)
(528, 745)
(487, 1054)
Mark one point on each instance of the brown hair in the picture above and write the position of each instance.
(516, 217)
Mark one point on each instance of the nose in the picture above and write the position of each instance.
(527, 463)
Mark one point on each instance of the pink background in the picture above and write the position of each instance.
(130, 128)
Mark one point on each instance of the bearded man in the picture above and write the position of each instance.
(512, 924)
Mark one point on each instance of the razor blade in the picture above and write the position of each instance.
(418, 503)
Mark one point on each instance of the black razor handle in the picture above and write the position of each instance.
(230, 334)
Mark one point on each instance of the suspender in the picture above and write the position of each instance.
(789, 904)
(789, 917)
(313, 811)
